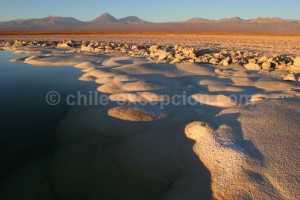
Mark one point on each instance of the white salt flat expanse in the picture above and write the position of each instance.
(250, 149)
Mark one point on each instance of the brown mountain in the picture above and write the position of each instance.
(43, 22)
(132, 20)
(108, 23)
(106, 18)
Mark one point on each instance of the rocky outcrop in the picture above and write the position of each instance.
(252, 65)
(297, 61)
(251, 61)
(296, 66)
(65, 45)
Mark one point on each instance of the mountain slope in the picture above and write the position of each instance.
(131, 20)
(106, 18)
(132, 24)
(47, 21)
(42, 25)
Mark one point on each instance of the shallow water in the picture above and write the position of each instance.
(78, 152)
(28, 123)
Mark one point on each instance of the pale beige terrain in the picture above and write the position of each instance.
(244, 126)
(256, 158)
(260, 43)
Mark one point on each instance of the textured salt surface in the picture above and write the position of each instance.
(256, 158)
(214, 100)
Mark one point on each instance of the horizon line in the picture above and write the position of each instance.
(182, 20)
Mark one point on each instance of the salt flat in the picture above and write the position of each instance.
(272, 44)
(244, 124)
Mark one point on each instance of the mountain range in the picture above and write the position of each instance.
(107, 23)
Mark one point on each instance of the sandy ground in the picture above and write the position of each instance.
(259, 43)
(244, 128)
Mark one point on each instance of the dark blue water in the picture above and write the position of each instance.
(27, 122)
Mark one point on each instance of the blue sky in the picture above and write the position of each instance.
(152, 10)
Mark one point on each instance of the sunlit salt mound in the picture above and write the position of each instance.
(223, 88)
(111, 88)
(118, 61)
(85, 65)
(221, 101)
(86, 77)
(242, 81)
(21, 55)
(96, 74)
(139, 97)
(270, 96)
(232, 173)
(103, 76)
(273, 85)
(219, 86)
(140, 86)
(206, 82)
(123, 78)
(259, 158)
(231, 72)
(57, 60)
(134, 86)
(116, 78)
(126, 97)
(195, 69)
(166, 70)
(237, 77)
(132, 114)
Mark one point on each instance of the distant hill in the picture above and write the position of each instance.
(106, 18)
(43, 22)
(132, 24)
(260, 20)
(131, 20)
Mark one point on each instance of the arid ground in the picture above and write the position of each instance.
(265, 43)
